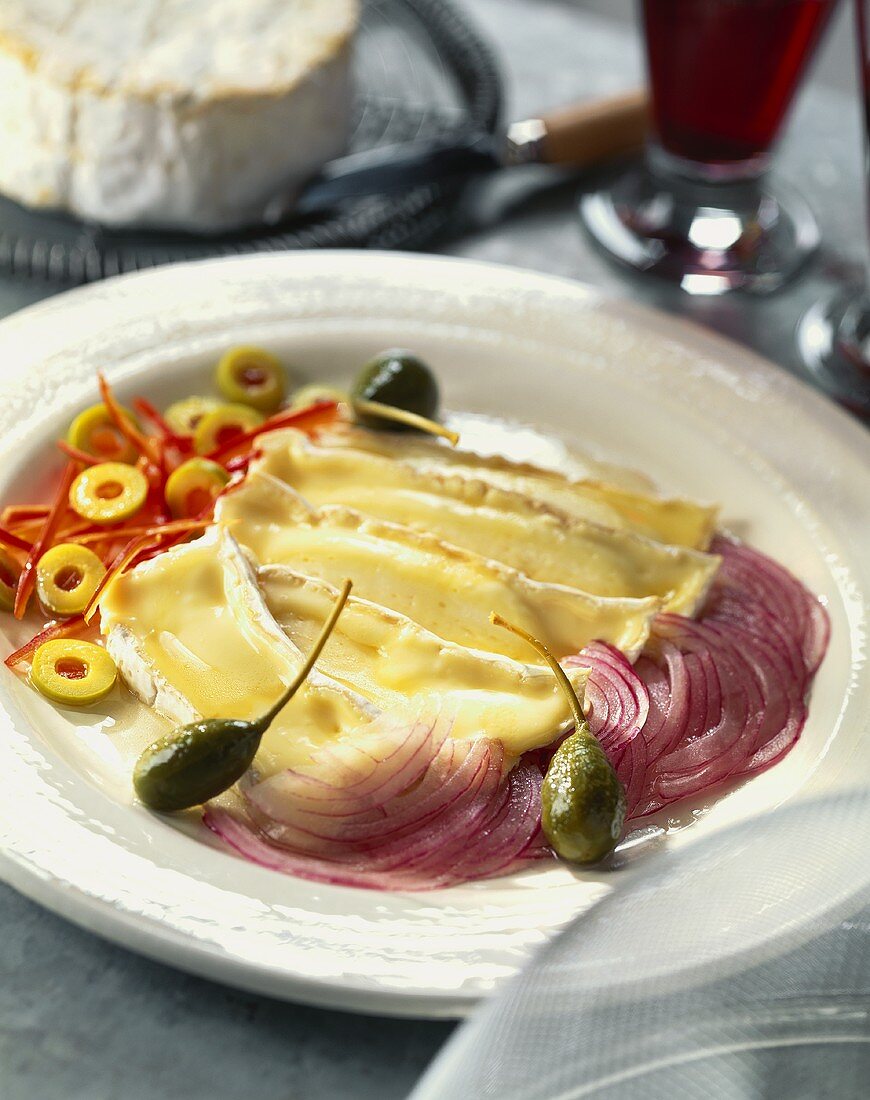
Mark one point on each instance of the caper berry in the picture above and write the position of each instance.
(195, 763)
(397, 378)
(582, 801)
(200, 760)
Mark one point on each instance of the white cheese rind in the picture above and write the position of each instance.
(165, 113)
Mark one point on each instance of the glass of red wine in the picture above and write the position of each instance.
(701, 211)
(834, 335)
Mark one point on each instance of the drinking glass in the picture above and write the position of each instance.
(701, 211)
(834, 335)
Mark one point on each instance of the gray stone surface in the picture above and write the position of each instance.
(83, 1020)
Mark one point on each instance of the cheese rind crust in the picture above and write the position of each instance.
(170, 113)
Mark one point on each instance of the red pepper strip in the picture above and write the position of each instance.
(78, 454)
(131, 551)
(121, 562)
(27, 580)
(149, 412)
(323, 412)
(74, 533)
(8, 539)
(125, 426)
(26, 528)
(240, 462)
(14, 513)
(108, 533)
(53, 630)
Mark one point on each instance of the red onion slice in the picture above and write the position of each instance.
(617, 701)
(413, 810)
(726, 695)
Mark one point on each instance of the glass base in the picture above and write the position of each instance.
(710, 238)
(834, 340)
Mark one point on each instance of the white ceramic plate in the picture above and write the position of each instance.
(702, 416)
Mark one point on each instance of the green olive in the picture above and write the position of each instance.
(199, 761)
(9, 572)
(96, 433)
(251, 376)
(582, 801)
(184, 415)
(72, 672)
(397, 378)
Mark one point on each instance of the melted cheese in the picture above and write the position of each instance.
(393, 460)
(388, 659)
(447, 590)
(545, 545)
(190, 629)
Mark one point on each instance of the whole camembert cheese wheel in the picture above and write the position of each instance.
(177, 113)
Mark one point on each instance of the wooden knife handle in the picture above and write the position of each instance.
(584, 133)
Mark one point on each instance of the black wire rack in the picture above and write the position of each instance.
(422, 71)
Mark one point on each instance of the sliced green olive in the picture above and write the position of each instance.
(398, 378)
(311, 394)
(251, 376)
(94, 432)
(193, 486)
(224, 424)
(201, 760)
(9, 572)
(71, 672)
(108, 492)
(582, 800)
(67, 576)
(184, 416)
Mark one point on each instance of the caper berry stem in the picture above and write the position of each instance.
(404, 416)
(300, 677)
(558, 671)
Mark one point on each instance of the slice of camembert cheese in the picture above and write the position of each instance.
(175, 113)
(193, 637)
(388, 659)
(544, 543)
(382, 459)
(447, 590)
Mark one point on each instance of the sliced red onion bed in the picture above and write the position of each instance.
(709, 701)
(715, 699)
(426, 811)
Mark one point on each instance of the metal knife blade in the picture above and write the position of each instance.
(395, 168)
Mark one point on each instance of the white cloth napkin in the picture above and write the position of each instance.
(738, 966)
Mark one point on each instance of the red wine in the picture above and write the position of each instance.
(723, 72)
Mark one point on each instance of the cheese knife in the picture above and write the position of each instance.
(577, 136)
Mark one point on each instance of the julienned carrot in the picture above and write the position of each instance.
(322, 412)
(53, 630)
(132, 550)
(125, 425)
(8, 539)
(59, 507)
(77, 453)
